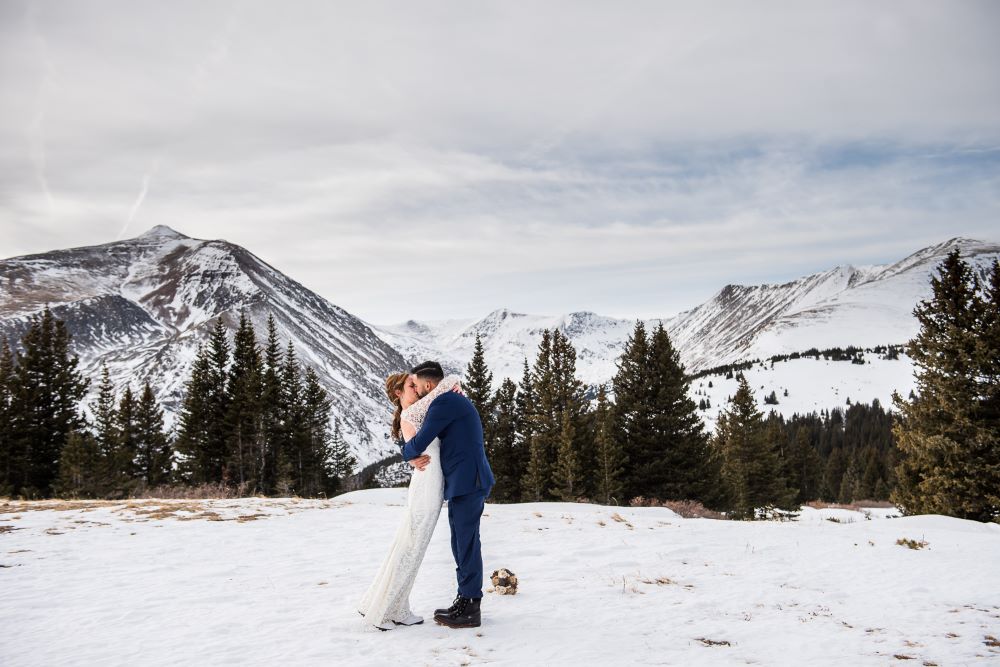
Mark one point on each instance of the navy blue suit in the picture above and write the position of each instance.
(468, 480)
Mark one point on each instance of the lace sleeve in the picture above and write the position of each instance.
(415, 413)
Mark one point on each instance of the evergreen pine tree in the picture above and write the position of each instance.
(343, 461)
(524, 427)
(675, 461)
(294, 442)
(948, 434)
(80, 469)
(750, 467)
(244, 389)
(44, 410)
(544, 433)
(318, 477)
(504, 450)
(6, 393)
(611, 459)
(803, 468)
(218, 404)
(632, 414)
(833, 475)
(478, 383)
(122, 460)
(566, 473)
(271, 429)
(197, 462)
(154, 453)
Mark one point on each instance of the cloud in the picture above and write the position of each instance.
(579, 155)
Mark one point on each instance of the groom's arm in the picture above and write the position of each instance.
(439, 415)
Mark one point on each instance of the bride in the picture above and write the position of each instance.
(387, 601)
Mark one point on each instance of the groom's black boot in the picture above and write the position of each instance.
(453, 607)
(464, 615)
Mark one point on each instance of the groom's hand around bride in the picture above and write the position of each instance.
(420, 462)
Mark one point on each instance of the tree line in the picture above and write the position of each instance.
(639, 437)
(253, 420)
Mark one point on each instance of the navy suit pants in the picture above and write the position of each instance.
(463, 517)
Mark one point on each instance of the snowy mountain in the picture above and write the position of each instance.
(847, 305)
(143, 305)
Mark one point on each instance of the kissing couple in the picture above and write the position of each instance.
(443, 437)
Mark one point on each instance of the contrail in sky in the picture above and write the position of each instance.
(36, 129)
(142, 196)
(218, 52)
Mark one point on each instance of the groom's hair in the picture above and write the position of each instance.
(429, 370)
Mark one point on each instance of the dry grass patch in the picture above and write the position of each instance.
(991, 641)
(58, 505)
(912, 544)
(620, 519)
(659, 581)
(713, 642)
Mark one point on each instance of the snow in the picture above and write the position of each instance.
(115, 583)
(813, 385)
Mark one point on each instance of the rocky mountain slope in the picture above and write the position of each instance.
(143, 305)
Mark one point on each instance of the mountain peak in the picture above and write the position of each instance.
(162, 231)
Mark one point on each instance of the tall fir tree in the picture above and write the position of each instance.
(611, 458)
(47, 389)
(557, 393)
(318, 477)
(677, 466)
(154, 455)
(343, 462)
(504, 449)
(750, 466)
(218, 403)
(948, 434)
(122, 461)
(198, 462)
(244, 390)
(544, 434)
(81, 473)
(524, 427)
(803, 467)
(294, 442)
(566, 476)
(270, 428)
(632, 411)
(479, 383)
(6, 384)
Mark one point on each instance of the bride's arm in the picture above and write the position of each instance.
(408, 429)
(447, 384)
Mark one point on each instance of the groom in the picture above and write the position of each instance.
(468, 481)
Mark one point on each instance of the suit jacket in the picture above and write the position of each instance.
(453, 418)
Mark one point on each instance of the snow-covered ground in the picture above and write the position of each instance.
(275, 581)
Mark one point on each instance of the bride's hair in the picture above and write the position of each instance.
(393, 383)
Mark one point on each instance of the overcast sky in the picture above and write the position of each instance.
(431, 160)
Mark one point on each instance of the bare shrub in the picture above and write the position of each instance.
(855, 506)
(200, 492)
(688, 509)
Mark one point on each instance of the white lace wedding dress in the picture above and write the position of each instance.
(387, 601)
